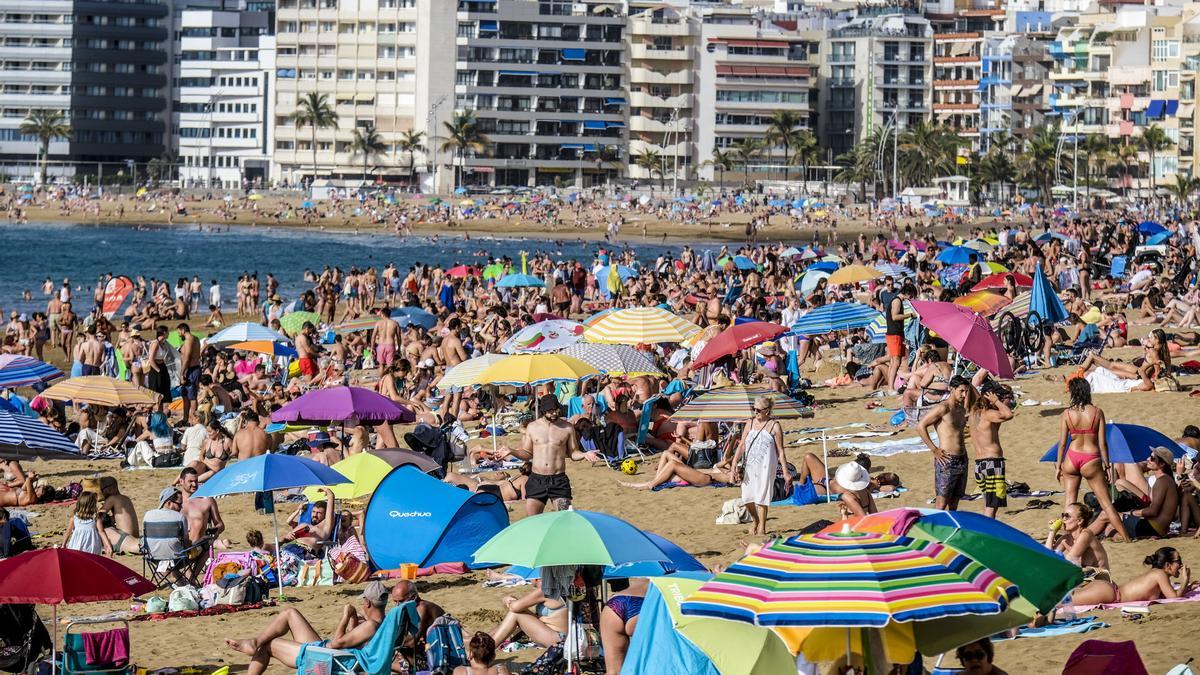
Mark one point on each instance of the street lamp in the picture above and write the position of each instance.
(429, 136)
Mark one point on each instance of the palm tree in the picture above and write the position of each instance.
(46, 125)
(652, 162)
(608, 156)
(745, 151)
(411, 142)
(1001, 142)
(805, 152)
(1154, 140)
(784, 129)
(313, 110)
(721, 161)
(995, 168)
(927, 151)
(1183, 188)
(463, 136)
(368, 143)
(1037, 162)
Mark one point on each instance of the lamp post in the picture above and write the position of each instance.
(429, 120)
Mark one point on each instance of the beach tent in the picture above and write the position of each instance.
(415, 518)
(657, 648)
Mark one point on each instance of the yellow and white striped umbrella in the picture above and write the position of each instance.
(100, 390)
(466, 373)
(640, 325)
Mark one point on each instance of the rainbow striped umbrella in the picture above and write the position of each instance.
(736, 404)
(986, 303)
(551, 335)
(1019, 307)
(850, 580)
(640, 325)
(20, 371)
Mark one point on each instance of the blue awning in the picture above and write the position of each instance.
(574, 54)
(618, 125)
(571, 146)
(1154, 111)
(1172, 108)
(593, 124)
(614, 101)
(590, 147)
(518, 73)
(489, 25)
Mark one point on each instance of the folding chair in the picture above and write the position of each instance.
(376, 656)
(73, 658)
(185, 568)
(638, 445)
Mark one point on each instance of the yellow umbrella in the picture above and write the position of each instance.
(100, 390)
(640, 325)
(853, 274)
(365, 472)
(992, 267)
(532, 369)
(255, 197)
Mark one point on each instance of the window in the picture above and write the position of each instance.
(1161, 50)
(1165, 79)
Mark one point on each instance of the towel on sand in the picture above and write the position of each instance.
(1190, 597)
(889, 448)
(1083, 624)
(1105, 381)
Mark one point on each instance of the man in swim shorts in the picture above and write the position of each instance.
(949, 453)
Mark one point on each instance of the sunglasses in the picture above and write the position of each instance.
(973, 656)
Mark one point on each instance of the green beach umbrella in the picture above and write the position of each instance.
(294, 321)
(570, 538)
(493, 271)
(175, 341)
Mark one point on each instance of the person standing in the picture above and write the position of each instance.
(992, 408)
(762, 447)
(189, 358)
(548, 442)
(1083, 452)
(894, 319)
(949, 453)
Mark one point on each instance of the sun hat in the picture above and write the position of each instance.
(852, 477)
(1164, 455)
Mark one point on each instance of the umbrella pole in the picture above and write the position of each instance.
(278, 557)
(572, 637)
(825, 458)
(54, 642)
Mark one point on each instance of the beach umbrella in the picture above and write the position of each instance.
(1019, 307)
(898, 272)
(267, 473)
(641, 325)
(100, 390)
(989, 267)
(294, 321)
(23, 437)
(413, 316)
(307, 204)
(958, 255)
(54, 576)
(533, 369)
(807, 282)
(1127, 444)
(1149, 227)
(595, 318)
(404, 457)
(790, 252)
(877, 330)
(518, 280)
(343, 404)
(853, 274)
(493, 271)
(979, 245)
(245, 332)
(969, 333)
(467, 373)
(735, 403)
(17, 370)
(614, 359)
(364, 471)
(736, 338)
(678, 560)
(602, 272)
(269, 347)
(571, 537)
(986, 303)
(1042, 576)
(822, 266)
(356, 325)
(462, 271)
(1044, 300)
(545, 336)
(1050, 236)
(743, 263)
(833, 317)
(998, 280)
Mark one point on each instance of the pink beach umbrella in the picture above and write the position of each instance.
(968, 332)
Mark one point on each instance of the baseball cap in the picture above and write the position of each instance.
(167, 495)
(375, 593)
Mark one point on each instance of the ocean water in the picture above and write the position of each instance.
(30, 253)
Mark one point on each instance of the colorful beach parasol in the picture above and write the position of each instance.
(294, 321)
(364, 471)
(571, 537)
(736, 404)
(467, 373)
(969, 333)
(100, 390)
(544, 336)
(736, 338)
(355, 325)
(23, 437)
(853, 274)
(986, 303)
(17, 370)
(245, 332)
(897, 272)
(997, 281)
(462, 271)
(833, 317)
(533, 369)
(272, 348)
(641, 325)
(343, 404)
(614, 359)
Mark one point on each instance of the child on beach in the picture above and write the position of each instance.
(85, 532)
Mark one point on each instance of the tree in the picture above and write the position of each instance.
(1154, 140)
(1183, 188)
(745, 151)
(721, 161)
(652, 162)
(46, 125)
(608, 156)
(927, 151)
(784, 129)
(1036, 163)
(368, 143)
(463, 136)
(313, 110)
(1001, 142)
(411, 142)
(995, 168)
(805, 152)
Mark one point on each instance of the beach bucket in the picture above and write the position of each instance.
(408, 571)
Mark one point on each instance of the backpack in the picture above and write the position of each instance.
(781, 489)
(444, 647)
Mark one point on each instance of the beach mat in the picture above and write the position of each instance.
(1083, 624)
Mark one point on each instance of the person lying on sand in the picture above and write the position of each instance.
(1155, 584)
(498, 483)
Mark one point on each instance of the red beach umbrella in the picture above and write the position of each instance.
(736, 338)
(996, 281)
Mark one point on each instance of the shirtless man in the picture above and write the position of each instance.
(25, 494)
(123, 531)
(189, 361)
(949, 453)
(199, 513)
(53, 310)
(992, 409)
(548, 442)
(1153, 520)
(66, 326)
(306, 350)
(453, 353)
(387, 337)
(90, 352)
(251, 440)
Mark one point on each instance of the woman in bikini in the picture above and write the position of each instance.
(218, 448)
(1086, 451)
(672, 468)
(1155, 364)
(1075, 541)
(497, 483)
(1154, 584)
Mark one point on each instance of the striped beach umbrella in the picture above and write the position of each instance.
(986, 303)
(245, 332)
(17, 370)
(544, 336)
(466, 373)
(23, 438)
(851, 579)
(1019, 307)
(736, 404)
(100, 390)
(897, 272)
(355, 325)
(533, 369)
(835, 316)
(640, 325)
(266, 347)
(614, 359)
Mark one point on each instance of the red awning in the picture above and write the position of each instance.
(724, 70)
(744, 70)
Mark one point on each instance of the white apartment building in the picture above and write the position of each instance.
(224, 98)
(663, 48)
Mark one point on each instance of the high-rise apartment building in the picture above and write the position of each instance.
(663, 52)
(546, 81)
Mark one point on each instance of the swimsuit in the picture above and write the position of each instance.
(1082, 459)
(626, 607)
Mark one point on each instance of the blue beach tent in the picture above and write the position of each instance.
(418, 519)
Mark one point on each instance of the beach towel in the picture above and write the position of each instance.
(1105, 381)
(1190, 597)
(683, 483)
(842, 437)
(211, 611)
(889, 448)
(1083, 624)
(821, 499)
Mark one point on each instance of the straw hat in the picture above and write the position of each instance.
(852, 477)
(91, 484)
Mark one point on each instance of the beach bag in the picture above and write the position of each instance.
(782, 489)
(582, 641)
(444, 646)
(231, 594)
(184, 598)
(315, 573)
(1166, 383)
(350, 568)
(703, 455)
(166, 460)
(733, 512)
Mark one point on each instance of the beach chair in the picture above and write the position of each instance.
(1089, 341)
(74, 655)
(165, 561)
(638, 444)
(373, 658)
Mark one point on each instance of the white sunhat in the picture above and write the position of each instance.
(852, 477)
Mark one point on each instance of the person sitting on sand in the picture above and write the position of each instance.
(481, 653)
(1154, 519)
(1154, 584)
(1074, 541)
(673, 469)
(354, 630)
(1155, 364)
(542, 619)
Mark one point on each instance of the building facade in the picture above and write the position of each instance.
(663, 44)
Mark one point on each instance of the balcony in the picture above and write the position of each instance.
(956, 84)
(640, 99)
(659, 27)
(649, 52)
(960, 106)
(648, 76)
(653, 126)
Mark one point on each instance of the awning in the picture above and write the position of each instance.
(771, 70)
(960, 48)
(1187, 110)
(571, 146)
(745, 70)
(798, 72)
(615, 125)
(574, 54)
(1172, 108)
(482, 169)
(724, 70)
(757, 43)
(594, 124)
(1154, 111)
(614, 101)
(489, 26)
(1016, 91)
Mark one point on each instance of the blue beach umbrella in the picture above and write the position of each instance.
(1150, 227)
(958, 255)
(835, 316)
(1044, 301)
(625, 273)
(1160, 238)
(743, 263)
(410, 316)
(21, 371)
(1127, 443)
(518, 280)
(26, 438)
(823, 266)
(898, 272)
(307, 205)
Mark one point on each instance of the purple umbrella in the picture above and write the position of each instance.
(342, 404)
